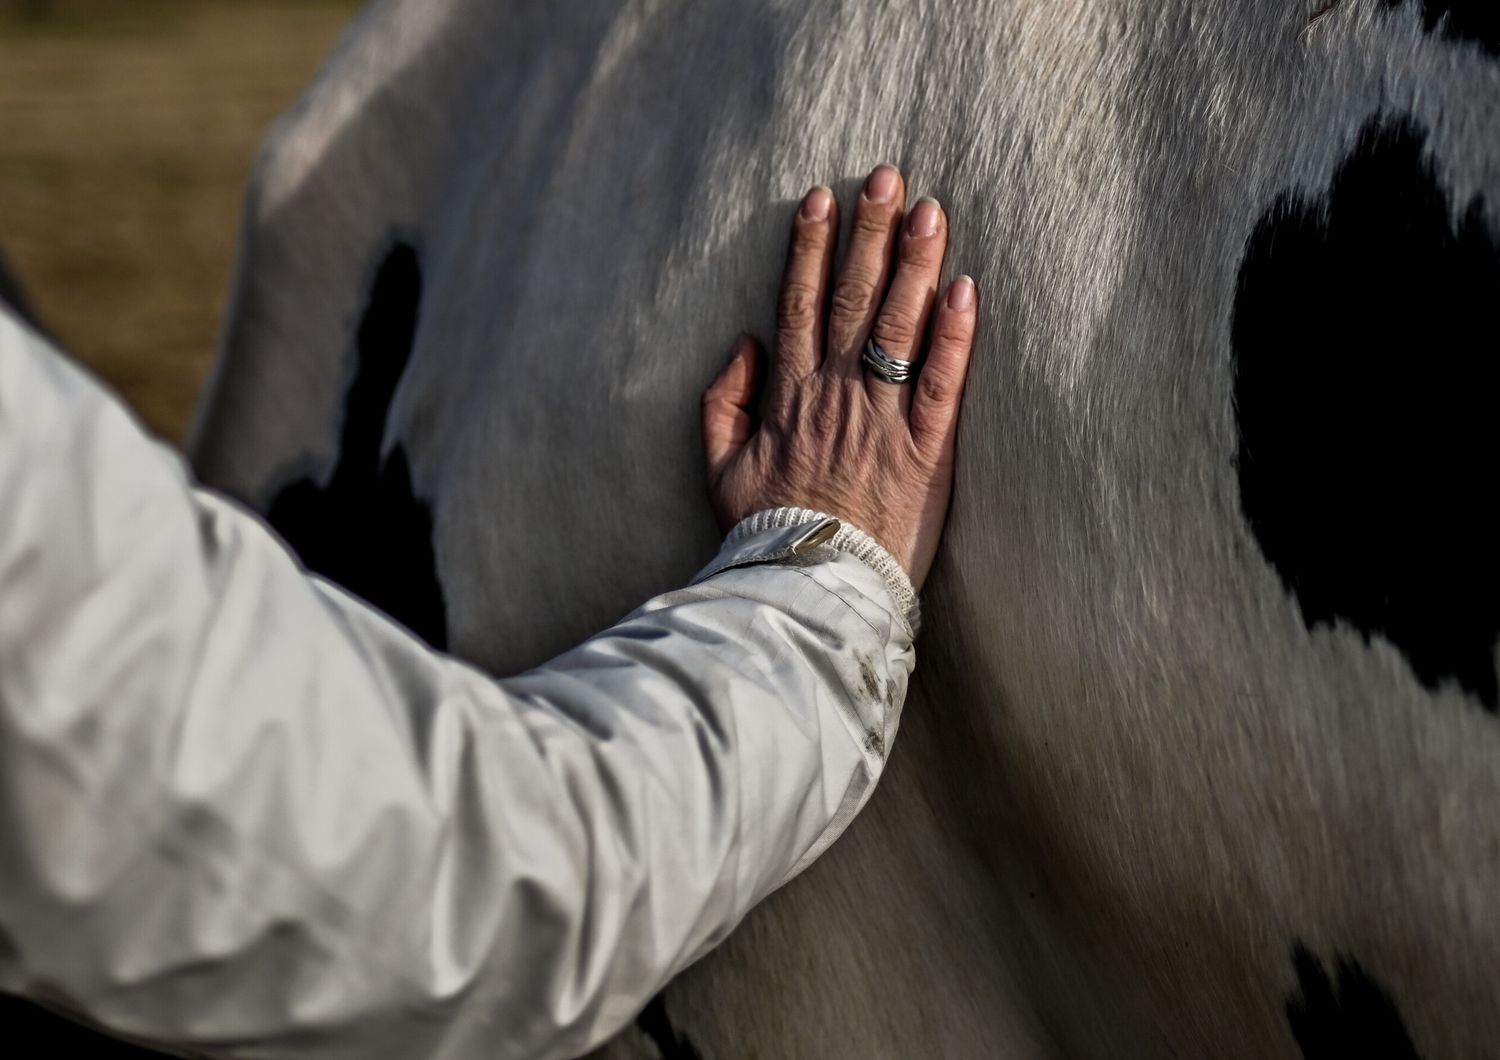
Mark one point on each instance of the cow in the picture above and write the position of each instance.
(1202, 754)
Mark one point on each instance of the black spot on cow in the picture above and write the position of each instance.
(365, 529)
(1365, 381)
(1350, 1015)
(656, 1025)
(1475, 21)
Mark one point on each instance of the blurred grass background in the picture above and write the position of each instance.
(127, 132)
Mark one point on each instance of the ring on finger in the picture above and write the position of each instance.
(891, 369)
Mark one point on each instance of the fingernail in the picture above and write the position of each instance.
(961, 294)
(924, 218)
(818, 203)
(882, 185)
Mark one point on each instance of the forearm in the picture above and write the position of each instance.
(240, 810)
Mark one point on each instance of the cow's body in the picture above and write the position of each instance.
(1202, 757)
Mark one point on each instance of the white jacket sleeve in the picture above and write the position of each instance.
(244, 814)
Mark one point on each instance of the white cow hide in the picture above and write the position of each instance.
(1148, 800)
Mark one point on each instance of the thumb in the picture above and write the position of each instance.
(727, 421)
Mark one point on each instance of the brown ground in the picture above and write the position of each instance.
(127, 130)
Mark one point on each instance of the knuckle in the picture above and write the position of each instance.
(896, 329)
(797, 308)
(923, 254)
(715, 401)
(809, 238)
(935, 390)
(855, 292)
(873, 223)
(951, 334)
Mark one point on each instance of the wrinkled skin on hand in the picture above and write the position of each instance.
(834, 436)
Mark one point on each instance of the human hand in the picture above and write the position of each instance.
(835, 436)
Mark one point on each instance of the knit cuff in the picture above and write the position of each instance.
(850, 539)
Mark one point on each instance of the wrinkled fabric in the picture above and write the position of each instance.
(242, 813)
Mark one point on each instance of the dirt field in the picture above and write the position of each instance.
(129, 127)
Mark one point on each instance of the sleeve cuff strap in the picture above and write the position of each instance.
(850, 539)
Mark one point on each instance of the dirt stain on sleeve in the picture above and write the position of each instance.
(873, 690)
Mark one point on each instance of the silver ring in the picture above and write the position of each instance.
(891, 369)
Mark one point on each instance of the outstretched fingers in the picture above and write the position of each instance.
(940, 386)
(804, 286)
(866, 273)
(902, 320)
